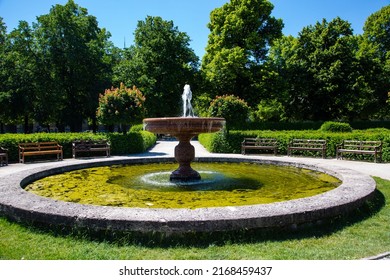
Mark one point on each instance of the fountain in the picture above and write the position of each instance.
(184, 129)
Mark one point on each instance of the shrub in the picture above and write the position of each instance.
(270, 110)
(233, 109)
(137, 128)
(336, 127)
(120, 106)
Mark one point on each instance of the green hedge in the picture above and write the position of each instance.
(309, 125)
(336, 127)
(133, 142)
(231, 143)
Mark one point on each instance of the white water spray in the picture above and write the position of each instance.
(187, 107)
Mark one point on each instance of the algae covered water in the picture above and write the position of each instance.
(148, 186)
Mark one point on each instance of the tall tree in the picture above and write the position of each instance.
(75, 48)
(321, 72)
(241, 33)
(22, 79)
(4, 94)
(160, 63)
(18, 75)
(375, 55)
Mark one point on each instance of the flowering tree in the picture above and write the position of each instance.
(123, 106)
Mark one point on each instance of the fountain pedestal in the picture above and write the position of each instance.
(184, 155)
(184, 129)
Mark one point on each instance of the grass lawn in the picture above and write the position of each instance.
(365, 232)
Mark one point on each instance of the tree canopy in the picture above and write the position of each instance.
(73, 45)
(241, 33)
(160, 63)
(53, 70)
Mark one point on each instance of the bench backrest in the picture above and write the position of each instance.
(259, 142)
(40, 146)
(90, 143)
(308, 142)
(361, 145)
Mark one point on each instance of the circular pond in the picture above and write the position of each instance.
(148, 185)
(18, 204)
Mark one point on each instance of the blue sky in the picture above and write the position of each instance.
(120, 17)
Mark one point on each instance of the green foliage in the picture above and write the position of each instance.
(134, 142)
(159, 64)
(269, 110)
(336, 127)
(137, 128)
(374, 51)
(376, 30)
(121, 106)
(233, 109)
(323, 74)
(231, 143)
(240, 35)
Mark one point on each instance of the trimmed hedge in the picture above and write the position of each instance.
(336, 127)
(133, 142)
(231, 143)
(309, 125)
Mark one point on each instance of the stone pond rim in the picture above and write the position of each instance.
(20, 205)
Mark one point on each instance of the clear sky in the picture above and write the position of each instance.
(120, 17)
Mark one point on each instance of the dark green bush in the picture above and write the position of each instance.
(336, 127)
(231, 143)
(134, 142)
(136, 128)
(233, 109)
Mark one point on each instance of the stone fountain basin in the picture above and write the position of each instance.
(183, 125)
(20, 205)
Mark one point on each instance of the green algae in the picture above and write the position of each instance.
(148, 186)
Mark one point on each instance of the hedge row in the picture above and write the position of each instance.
(132, 142)
(308, 125)
(231, 143)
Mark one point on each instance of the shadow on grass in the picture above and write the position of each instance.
(204, 240)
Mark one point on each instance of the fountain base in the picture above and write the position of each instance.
(184, 155)
(184, 174)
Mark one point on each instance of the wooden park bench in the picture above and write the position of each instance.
(360, 147)
(88, 146)
(40, 148)
(307, 145)
(3, 156)
(269, 144)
